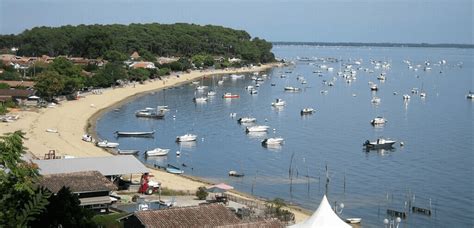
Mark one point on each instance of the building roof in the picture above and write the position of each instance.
(135, 55)
(211, 215)
(18, 83)
(16, 92)
(142, 64)
(107, 166)
(323, 217)
(269, 223)
(78, 182)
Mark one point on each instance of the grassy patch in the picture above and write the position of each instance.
(171, 192)
(109, 220)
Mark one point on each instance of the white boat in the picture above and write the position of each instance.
(107, 144)
(236, 76)
(272, 141)
(230, 95)
(257, 128)
(303, 82)
(470, 95)
(353, 220)
(374, 87)
(157, 152)
(125, 152)
(201, 87)
(406, 97)
(253, 91)
(305, 111)
(151, 113)
(200, 99)
(52, 130)
(291, 88)
(380, 143)
(186, 138)
(247, 120)
(220, 82)
(278, 102)
(378, 121)
(422, 94)
(135, 133)
(375, 100)
(211, 93)
(249, 87)
(381, 77)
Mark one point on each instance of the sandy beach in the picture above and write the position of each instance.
(73, 118)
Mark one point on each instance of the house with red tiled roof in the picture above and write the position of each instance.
(210, 215)
(142, 64)
(13, 84)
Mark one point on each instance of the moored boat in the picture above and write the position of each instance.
(135, 133)
(353, 220)
(200, 99)
(306, 111)
(378, 120)
(257, 128)
(127, 152)
(470, 95)
(211, 93)
(186, 138)
(291, 88)
(272, 141)
(174, 170)
(151, 113)
(247, 120)
(380, 143)
(107, 144)
(230, 95)
(157, 152)
(278, 102)
(374, 87)
(234, 173)
(406, 97)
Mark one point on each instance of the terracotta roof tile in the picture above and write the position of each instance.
(89, 181)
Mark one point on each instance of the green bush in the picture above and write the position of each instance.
(201, 193)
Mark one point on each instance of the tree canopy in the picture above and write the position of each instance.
(107, 41)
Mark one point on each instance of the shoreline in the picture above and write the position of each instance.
(73, 119)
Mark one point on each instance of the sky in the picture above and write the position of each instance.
(396, 21)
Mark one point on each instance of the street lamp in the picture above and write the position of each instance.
(338, 208)
(392, 223)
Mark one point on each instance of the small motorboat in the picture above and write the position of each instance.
(257, 128)
(291, 89)
(381, 77)
(423, 94)
(406, 97)
(220, 82)
(150, 113)
(253, 91)
(200, 99)
(249, 87)
(378, 121)
(87, 138)
(353, 220)
(107, 144)
(375, 100)
(247, 120)
(272, 141)
(174, 170)
(127, 152)
(236, 76)
(306, 111)
(157, 152)
(380, 143)
(52, 130)
(278, 102)
(211, 93)
(186, 138)
(234, 173)
(201, 87)
(374, 87)
(135, 133)
(230, 95)
(470, 95)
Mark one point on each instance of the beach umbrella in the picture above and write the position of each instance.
(219, 188)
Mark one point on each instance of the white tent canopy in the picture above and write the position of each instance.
(323, 217)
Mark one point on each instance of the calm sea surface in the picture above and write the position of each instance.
(434, 168)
